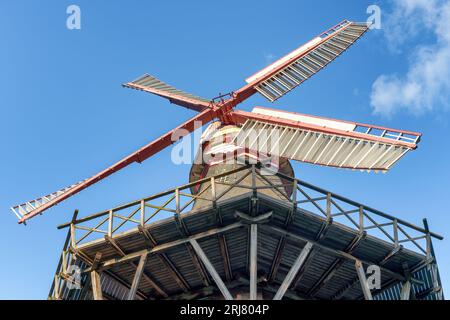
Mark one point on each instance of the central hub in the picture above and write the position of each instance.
(218, 154)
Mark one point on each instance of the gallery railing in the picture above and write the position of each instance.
(176, 202)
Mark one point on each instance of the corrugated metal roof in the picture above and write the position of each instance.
(305, 224)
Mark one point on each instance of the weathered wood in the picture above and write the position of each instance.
(95, 278)
(137, 277)
(277, 259)
(82, 256)
(363, 281)
(336, 252)
(341, 293)
(253, 260)
(198, 265)
(293, 271)
(110, 223)
(113, 243)
(150, 241)
(336, 265)
(361, 218)
(96, 285)
(406, 291)
(212, 271)
(226, 257)
(304, 268)
(251, 219)
(142, 223)
(165, 246)
(73, 240)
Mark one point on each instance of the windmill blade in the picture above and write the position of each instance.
(287, 73)
(32, 208)
(322, 141)
(152, 85)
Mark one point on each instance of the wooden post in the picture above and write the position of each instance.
(255, 192)
(363, 281)
(212, 271)
(395, 227)
(213, 191)
(253, 260)
(110, 223)
(177, 201)
(96, 285)
(437, 285)
(73, 241)
(328, 206)
(142, 212)
(95, 278)
(406, 290)
(293, 271)
(361, 219)
(137, 277)
(294, 194)
(56, 285)
(64, 262)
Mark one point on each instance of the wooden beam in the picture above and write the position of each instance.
(151, 243)
(383, 261)
(226, 257)
(113, 243)
(165, 246)
(406, 291)
(254, 219)
(96, 285)
(326, 276)
(319, 236)
(85, 258)
(341, 293)
(293, 271)
(137, 277)
(212, 271)
(95, 278)
(336, 265)
(336, 252)
(253, 260)
(201, 270)
(309, 261)
(363, 281)
(96, 261)
(282, 242)
(277, 259)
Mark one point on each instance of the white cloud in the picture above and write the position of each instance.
(426, 84)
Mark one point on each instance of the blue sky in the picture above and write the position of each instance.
(64, 115)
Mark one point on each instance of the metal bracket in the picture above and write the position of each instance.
(247, 219)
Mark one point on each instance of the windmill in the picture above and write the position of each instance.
(305, 138)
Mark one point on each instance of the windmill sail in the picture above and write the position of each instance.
(287, 73)
(152, 85)
(23, 209)
(300, 137)
(323, 141)
(35, 207)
